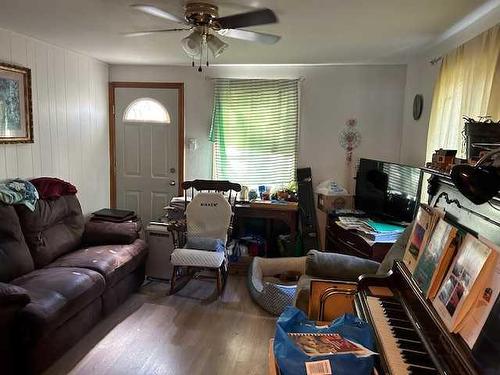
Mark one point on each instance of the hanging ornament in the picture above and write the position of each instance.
(350, 138)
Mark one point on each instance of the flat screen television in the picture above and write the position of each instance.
(388, 191)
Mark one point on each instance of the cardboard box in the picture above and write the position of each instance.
(329, 203)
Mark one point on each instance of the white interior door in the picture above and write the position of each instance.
(146, 131)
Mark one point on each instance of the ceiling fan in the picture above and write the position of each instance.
(204, 21)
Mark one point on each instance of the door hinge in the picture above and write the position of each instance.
(113, 109)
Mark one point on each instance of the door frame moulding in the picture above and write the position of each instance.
(179, 86)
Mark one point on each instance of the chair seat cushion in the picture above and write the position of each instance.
(114, 262)
(204, 243)
(197, 258)
(56, 295)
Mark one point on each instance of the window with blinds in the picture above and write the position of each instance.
(402, 180)
(255, 131)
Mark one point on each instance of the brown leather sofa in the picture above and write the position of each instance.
(58, 277)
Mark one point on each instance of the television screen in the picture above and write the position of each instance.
(387, 190)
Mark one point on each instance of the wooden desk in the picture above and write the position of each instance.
(286, 212)
(340, 240)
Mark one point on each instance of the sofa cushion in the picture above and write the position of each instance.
(53, 229)
(15, 258)
(108, 233)
(113, 262)
(56, 295)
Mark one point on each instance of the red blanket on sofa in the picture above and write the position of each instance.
(52, 188)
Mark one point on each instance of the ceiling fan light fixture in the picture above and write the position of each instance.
(192, 44)
(202, 18)
(216, 45)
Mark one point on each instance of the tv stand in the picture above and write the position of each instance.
(340, 240)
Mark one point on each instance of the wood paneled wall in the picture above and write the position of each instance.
(70, 118)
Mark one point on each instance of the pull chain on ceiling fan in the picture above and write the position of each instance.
(203, 19)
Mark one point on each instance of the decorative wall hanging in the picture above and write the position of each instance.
(350, 138)
(16, 117)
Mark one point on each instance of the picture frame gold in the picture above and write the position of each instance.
(16, 111)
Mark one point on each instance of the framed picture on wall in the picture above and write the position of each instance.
(16, 116)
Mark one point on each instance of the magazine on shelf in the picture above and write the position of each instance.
(435, 258)
(464, 281)
(425, 221)
(472, 325)
(317, 344)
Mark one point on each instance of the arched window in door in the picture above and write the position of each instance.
(146, 110)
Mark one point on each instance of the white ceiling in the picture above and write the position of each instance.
(313, 32)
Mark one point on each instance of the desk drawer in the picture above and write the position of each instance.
(349, 238)
(337, 244)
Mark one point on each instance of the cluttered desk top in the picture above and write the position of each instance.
(269, 205)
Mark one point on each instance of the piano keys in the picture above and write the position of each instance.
(410, 336)
(405, 352)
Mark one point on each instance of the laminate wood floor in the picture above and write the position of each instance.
(189, 333)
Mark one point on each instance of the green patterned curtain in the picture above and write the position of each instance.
(255, 130)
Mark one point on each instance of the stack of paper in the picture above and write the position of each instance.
(372, 230)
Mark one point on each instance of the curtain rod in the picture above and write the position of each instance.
(300, 79)
(435, 60)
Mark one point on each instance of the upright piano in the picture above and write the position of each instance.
(411, 338)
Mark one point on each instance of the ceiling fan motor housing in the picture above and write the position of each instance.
(201, 14)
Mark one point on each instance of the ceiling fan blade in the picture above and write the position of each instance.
(154, 11)
(149, 32)
(251, 36)
(253, 18)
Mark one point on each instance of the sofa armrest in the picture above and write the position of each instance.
(12, 299)
(13, 295)
(108, 233)
(338, 266)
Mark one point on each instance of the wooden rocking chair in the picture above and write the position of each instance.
(208, 218)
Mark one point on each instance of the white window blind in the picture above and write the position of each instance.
(255, 131)
(402, 180)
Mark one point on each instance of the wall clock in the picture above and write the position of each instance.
(418, 106)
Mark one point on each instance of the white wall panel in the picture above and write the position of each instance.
(70, 118)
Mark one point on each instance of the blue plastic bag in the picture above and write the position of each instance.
(291, 359)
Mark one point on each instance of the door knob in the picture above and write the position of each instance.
(172, 183)
(172, 170)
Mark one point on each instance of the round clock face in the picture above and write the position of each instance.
(418, 105)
